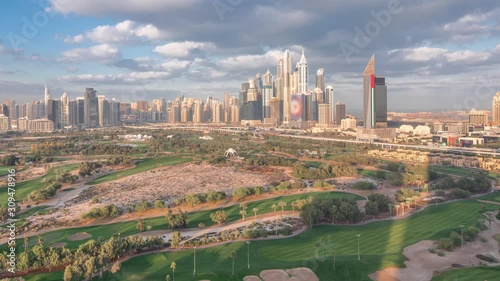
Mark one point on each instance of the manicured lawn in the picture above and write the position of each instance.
(141, 166)
(460, 171)
(381, 244)
(26, 187)
(470, 274)
(160, 223)
(4, 170)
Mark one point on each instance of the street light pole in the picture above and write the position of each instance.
(194, 270)
(359, 257)
(248, 254)
(462, 240)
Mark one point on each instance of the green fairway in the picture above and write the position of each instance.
(470, 274)
(459, 171)
(381, 245)
(141, 166)
(26, 187)
(4, 170)
(160, 223)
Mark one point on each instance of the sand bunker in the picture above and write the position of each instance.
(79, 236)
(252, 278)
(422, 265)
(59, 245)
(296, 274)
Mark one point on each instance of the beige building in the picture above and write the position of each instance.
(324, 114)
(40, 125)
(478, 117)
(4, 123)
(495, 110)
(348, 123)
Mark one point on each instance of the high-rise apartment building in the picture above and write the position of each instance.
(303, 73)
(374, 98)
(339, 112)
(65, 110)
(90, 108)
(320, 79)
(478, 117)
(324, 114)
(495, 110)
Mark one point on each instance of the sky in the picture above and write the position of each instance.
(434, 54)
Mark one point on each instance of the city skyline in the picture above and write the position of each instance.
(130, 57)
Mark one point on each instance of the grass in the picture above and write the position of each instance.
(470, 274)
(459, 171)
(26, 187)
(141, 166)
(4, 170)
(381, 245)
(160, 223)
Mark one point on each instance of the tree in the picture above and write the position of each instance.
(219, 217)
(333, 210)
(489, 217)
(173, 265)
(323, 243)
(68, 273)
(244, 206)
(255, 210)
(242, 214)
(116, 267)
(316, 246)
(415, 200)
(371, 208)
(282, 204)
(140, 225)
(167, 278)
(397, 209)
(176, 239)
(233, 256)
(274, 207)
(391, 209)
(293, 204)
(160, 204)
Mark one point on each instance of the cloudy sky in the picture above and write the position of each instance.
(435, 54)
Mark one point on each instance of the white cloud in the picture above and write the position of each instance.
(471, 26)
(99, 7)
(262, 61)
(183, 49)
(440, 55)
(103, 53)
(123, 32)
(74, 39)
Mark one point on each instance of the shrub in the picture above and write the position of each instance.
(441, 254)
(286, 231)
(432, 250)
(159, 204)
(440, 193)
(456, 238)
(242, 192)
(459, 193)
(364, 185)
(284, 186)
(445, 244)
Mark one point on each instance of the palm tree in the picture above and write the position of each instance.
(274, 207)
(293, 204)
(323, 242)
(403, 208)
(415, 200)
(243, 213)
(391, 208)
(172, 266)
(316, 246)
(255, 210)
(397, 209)
(408, 206)
(233, 256)
(282, 204)
(333, 210)
(243, 206)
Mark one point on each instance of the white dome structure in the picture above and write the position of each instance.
(231, 153)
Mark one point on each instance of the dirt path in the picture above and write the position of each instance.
(422, 265)
(489, 202)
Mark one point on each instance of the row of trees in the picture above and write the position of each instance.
(478, 183)
(331, 210)
(302, 171)
(270, 161)
(105, 211)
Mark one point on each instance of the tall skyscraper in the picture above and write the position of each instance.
(320, 79)
(495, 110)
(324, 114)
(65, 110)
(267, 94)
(90, 108)
(287, 73)
(329, 98)
(303, 72)
(339, 112)
(47, 95)
(103, 111)
(374, 98)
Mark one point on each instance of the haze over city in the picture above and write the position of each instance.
(433, 60)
